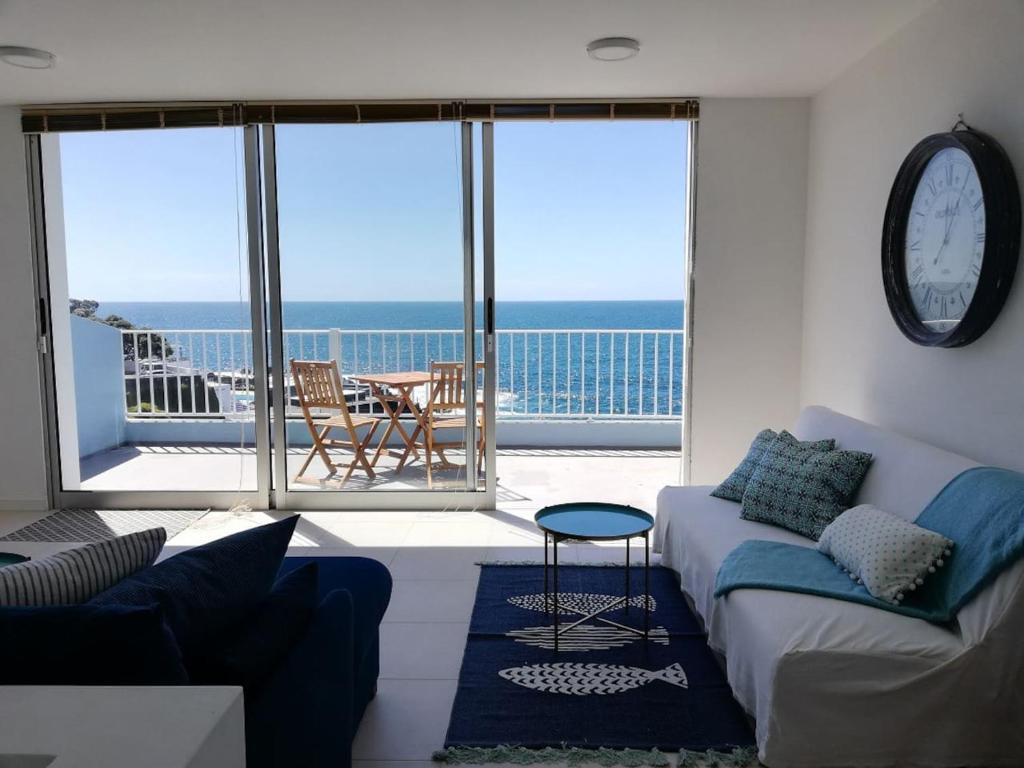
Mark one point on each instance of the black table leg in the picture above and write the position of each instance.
(546, 609)
(554, 555)
(627, 576)
(647, 585)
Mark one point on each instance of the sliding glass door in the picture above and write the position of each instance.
(149, 327)
(378, 355)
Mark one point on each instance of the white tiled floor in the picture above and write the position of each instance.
(433, 557)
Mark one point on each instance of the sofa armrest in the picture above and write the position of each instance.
(303, 714)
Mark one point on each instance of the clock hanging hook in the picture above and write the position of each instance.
(960, 125)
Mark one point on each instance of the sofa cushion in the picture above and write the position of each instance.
(369, 582)
(735, 484)
(266, 636)
(702, 530)
(88, 645)
(885, 553)
(800, 488)
(76, 575)
(207, 590)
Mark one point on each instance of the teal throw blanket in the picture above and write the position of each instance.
(981, 510)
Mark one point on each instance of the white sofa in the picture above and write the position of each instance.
(833, 683)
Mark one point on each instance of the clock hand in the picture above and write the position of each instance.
(955, 210)
(951, 213)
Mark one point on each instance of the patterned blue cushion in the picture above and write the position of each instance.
(88, 645)
(734, 485)
(210, 589)
(885, 553)
(76, 575)
(803, 489)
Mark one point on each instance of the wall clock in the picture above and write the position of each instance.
(951, 238)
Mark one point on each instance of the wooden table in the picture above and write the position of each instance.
(402, 383)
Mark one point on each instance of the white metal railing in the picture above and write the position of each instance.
(541, 373)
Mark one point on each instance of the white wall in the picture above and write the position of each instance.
(960, 56)
(748, 276)
(97, 387)
(22, 469)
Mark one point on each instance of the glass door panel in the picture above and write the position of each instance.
(151, 342)
(373, 261)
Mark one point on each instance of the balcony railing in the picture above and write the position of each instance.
(541, 373)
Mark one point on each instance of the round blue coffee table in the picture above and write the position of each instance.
(595, 521)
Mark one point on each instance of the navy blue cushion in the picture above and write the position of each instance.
(369, 583)
(266, 637)
(209, 590)
(88, 645)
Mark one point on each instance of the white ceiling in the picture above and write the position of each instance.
(119, 50)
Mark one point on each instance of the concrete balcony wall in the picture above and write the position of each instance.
(511, 433)
(99, 385)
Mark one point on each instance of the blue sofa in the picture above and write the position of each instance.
(307, 712)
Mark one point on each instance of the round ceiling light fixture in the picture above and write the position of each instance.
(27, 58)
(613, 49)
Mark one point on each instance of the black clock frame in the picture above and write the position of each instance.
(1002, 237)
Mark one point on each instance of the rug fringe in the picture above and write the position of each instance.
(595, 564)
(571, 755)
(739, 757)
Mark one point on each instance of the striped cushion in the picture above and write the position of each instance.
(77, 575)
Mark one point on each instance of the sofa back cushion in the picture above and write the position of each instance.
(209, 590)
(905, 475)
(258, 646)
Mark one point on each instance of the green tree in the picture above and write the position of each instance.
(161, 347)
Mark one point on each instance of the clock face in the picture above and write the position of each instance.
(945, 240)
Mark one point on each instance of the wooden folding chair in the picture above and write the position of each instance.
(318, 385)
(447, 393)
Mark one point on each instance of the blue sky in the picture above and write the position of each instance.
(589, 210)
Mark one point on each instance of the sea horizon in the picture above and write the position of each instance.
(662, 314)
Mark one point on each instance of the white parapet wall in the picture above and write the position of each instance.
(511, 433)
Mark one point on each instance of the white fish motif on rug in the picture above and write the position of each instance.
(585, 637)
(590, 679)
(575, 602)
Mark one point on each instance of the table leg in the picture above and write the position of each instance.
(546, 610)
(647, 585)
(410, 442)
(392, 421)
(554, 542)
(627, 576)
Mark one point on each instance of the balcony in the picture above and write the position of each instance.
(173, 409)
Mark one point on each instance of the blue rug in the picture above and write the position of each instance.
(605, 687)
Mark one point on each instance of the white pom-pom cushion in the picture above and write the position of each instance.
(885, 553)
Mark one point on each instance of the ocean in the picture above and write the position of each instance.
(571, 358)
(404, 315)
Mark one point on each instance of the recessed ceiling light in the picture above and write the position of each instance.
(613, 48)
(27, 58)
